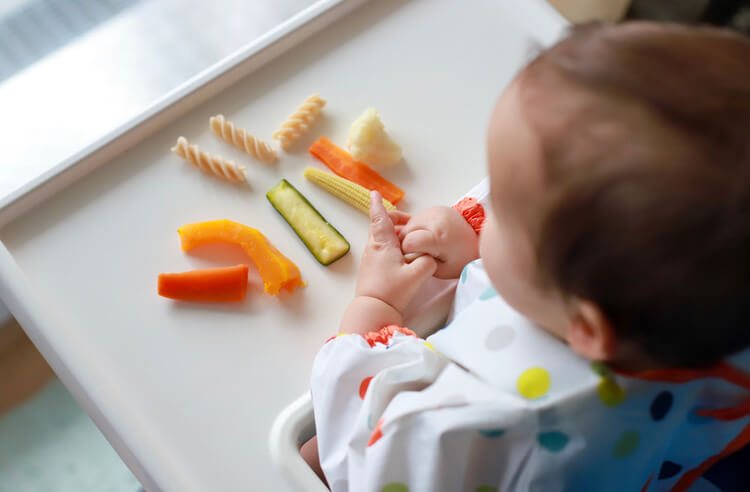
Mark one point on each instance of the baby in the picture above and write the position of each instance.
(600, 322)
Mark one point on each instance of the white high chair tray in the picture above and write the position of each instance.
(187, 392)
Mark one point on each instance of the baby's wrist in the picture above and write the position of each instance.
(461, 246)
(382, 305)
(390, 293)
(368, 313)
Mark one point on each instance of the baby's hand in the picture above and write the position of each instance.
(444, 234)
(384, 273)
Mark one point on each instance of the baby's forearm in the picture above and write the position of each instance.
(365, 314)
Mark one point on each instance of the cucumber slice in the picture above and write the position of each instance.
(321, 238)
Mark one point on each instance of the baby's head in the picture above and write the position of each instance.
(619, 164)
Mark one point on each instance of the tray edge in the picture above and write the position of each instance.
(176, 103)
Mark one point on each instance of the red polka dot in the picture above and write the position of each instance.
(376, 434)
(363, 387)
(648, 482)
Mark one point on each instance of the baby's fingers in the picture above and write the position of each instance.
(422, 268)
(421, 241)
(399, 217)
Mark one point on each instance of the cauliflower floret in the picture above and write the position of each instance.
(368, 141)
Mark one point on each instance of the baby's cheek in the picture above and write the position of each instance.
(509, 266)
(491, 250)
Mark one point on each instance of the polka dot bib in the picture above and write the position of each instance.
(493, 341)
(494, 403)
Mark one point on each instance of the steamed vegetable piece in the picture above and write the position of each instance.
(212, 285)
(370, 143)
(276, 270)
(355, 195)
(340, 162)
(321, 238)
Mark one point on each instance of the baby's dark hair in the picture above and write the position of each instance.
(645, 132)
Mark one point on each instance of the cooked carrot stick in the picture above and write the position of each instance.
(345, 166)
(212, 285)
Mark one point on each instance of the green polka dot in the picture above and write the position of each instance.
(553, 441)
(486, 488)
(488, 294)
(600, 369)
(491, 433)
(610, 393)
(626, 444)
(395, 487)
(463, 273)
(533, 383)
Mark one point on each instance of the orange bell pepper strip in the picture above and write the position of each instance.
(276, 270)
(343, 164)
(212, 285)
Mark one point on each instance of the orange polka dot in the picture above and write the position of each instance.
(376, 434)
(363, 387)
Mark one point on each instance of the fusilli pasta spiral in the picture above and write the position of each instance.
(241, 139)
(206, 162)
(298, 123)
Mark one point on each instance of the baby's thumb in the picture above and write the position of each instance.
(381, 226)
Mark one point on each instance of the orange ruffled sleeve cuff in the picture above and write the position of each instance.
(385, 334)
(382, 335)
(472, 211)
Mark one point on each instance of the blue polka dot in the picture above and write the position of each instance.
(488, 294)
(669, 469)
(661, 405)
(463, 273)
(694, 418)
(553, 441)
(491, 433)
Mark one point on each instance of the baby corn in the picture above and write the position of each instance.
(355, 195)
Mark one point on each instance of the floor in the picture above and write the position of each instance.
(47, 443)
(23, 371)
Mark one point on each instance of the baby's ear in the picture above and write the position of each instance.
(590, 333)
